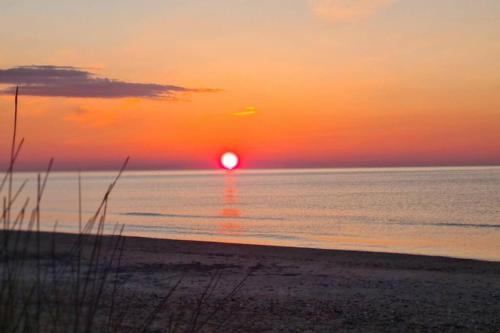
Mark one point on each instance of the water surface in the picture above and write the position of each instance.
(437, 211)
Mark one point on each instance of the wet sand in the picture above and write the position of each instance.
(310, 290)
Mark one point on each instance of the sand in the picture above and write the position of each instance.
(310, 290)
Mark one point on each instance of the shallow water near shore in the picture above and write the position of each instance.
(435, 211)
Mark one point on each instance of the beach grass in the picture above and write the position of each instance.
(79, 288)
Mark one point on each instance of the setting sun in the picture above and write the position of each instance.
(229, 160)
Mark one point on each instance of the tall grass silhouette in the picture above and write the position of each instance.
(76, 287)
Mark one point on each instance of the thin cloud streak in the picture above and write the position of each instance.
(67, 81)
(347, 10)
(249, 111)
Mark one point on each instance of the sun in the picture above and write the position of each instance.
(229, 160)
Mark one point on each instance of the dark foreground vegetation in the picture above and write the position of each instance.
(78, 287)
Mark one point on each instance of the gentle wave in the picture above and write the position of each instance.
(444, 224)
(184, 231)
(151, 214)
(466, 225)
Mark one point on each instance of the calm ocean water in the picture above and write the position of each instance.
(437, 211)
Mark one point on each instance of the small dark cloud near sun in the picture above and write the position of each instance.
(67, 81)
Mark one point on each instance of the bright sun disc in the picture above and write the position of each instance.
(229, 160)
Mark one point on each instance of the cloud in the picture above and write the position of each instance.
(249, 111)
(66, 81)
(347, 10)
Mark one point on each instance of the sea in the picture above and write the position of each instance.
(442, 211)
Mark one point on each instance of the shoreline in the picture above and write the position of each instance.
(308, 290)
(291, 248)
(279, 248)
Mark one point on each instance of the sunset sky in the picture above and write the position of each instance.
(289, 83)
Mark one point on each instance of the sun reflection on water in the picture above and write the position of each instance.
(229, 211)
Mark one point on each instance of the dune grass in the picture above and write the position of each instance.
(77, 289)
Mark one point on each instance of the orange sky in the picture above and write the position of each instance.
(315, 83)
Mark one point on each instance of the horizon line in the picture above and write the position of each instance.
(409, 166)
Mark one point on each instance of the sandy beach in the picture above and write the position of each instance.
(306, 290)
